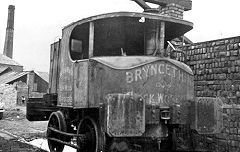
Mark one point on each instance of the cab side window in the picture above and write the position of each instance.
(79, 42)
(76, 50)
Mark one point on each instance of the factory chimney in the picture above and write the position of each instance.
(8, 46)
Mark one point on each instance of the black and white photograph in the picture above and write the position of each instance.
(119, 76)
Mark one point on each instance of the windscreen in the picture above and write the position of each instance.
(119, 36)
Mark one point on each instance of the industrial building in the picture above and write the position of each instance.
(16, 85)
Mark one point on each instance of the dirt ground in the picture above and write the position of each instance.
(13, 145)
(14, 123)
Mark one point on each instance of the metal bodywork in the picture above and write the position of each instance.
(125, 115)
(160, 82)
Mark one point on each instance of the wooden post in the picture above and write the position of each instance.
(91, 39)
(162, 38)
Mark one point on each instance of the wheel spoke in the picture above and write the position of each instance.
(56, 121)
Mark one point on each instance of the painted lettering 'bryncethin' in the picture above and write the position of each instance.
(157, 69)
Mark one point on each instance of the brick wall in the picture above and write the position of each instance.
(231, 132)
(173, 10)
(216, 68)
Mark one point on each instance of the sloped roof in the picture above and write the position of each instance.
(8, 61)
(2, 69)
(11, 76)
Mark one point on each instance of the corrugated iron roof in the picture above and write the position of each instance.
(6, 60)
(11, 76)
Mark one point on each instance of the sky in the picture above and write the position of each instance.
(39, 23)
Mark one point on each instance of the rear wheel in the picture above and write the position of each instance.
(58, 122)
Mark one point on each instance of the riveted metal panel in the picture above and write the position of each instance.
(65, 92)
(125, 115)
(65, 79)
(80, 84)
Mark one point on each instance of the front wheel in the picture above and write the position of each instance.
(58, 122)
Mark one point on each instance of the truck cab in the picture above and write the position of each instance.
(120, 40)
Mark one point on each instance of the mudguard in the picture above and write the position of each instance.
(207, 115)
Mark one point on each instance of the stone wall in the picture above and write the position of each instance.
(22, 92)
(11, 95)
(216, 68)
(8, 96)
(231, 133)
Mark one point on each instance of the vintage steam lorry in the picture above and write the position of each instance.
(113, 89)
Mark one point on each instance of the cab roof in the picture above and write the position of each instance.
(174, 27)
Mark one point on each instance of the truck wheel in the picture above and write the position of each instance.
(89, 129)
(56, 121)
